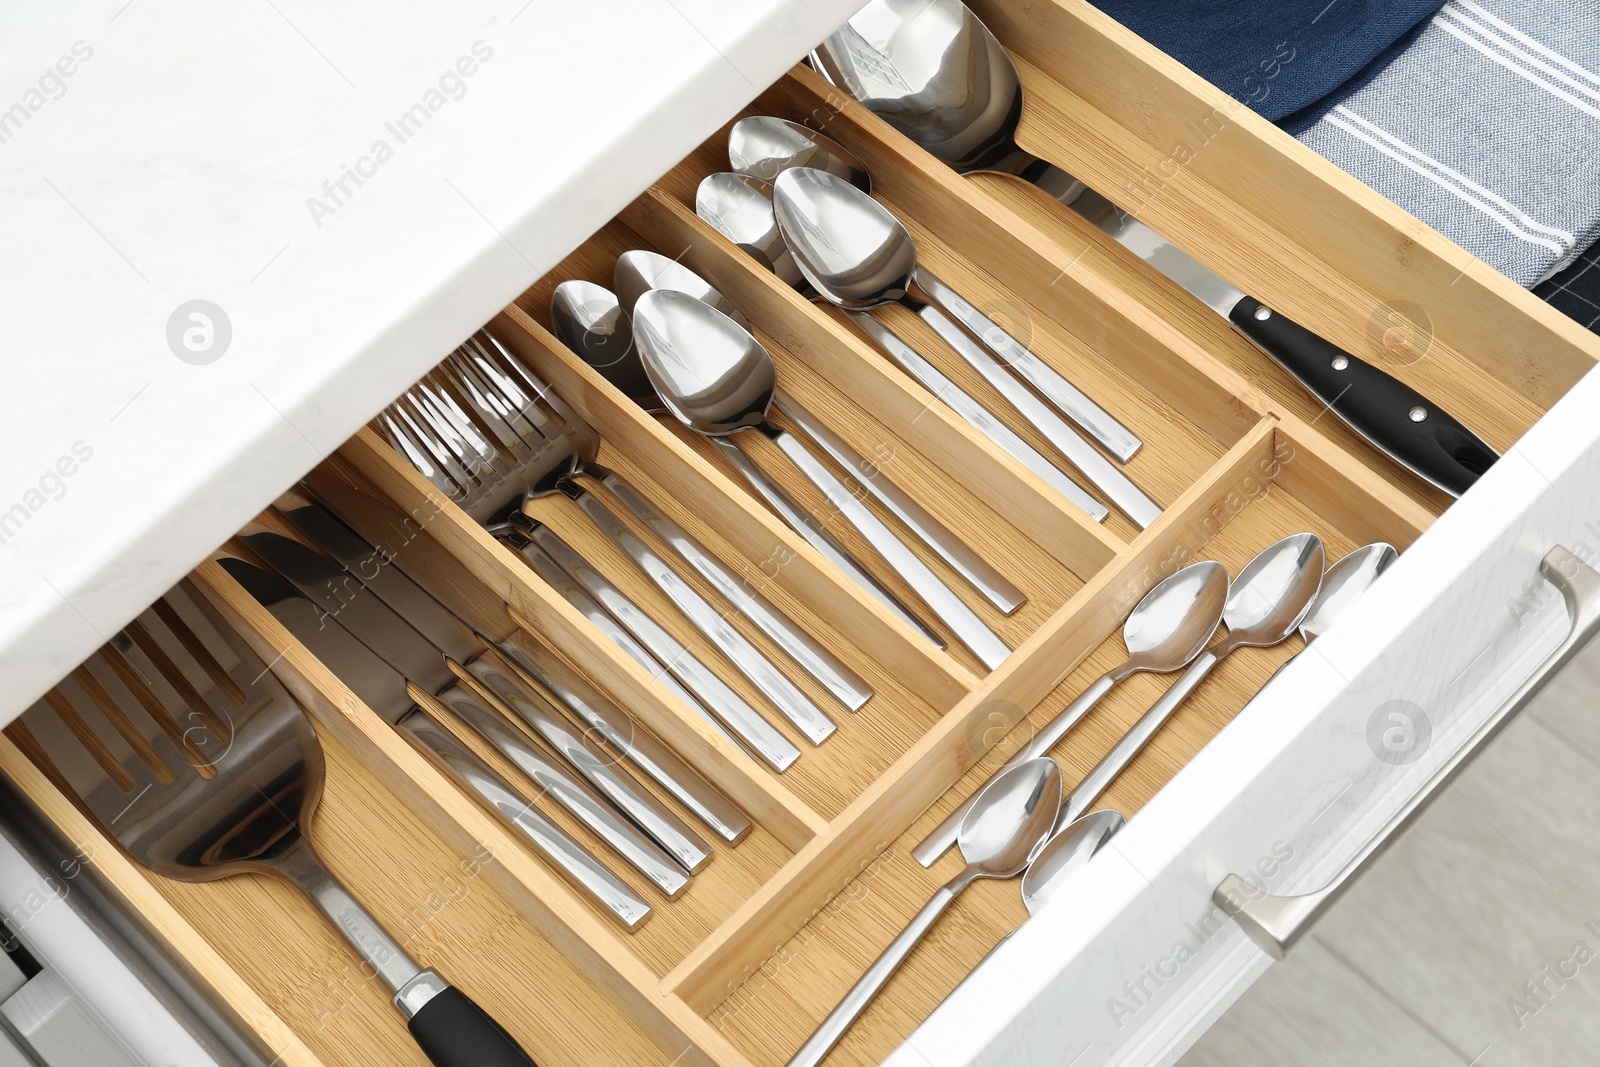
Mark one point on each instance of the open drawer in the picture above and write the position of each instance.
(740, 968)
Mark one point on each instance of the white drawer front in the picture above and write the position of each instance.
(1132, 965)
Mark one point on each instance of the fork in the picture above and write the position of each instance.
(184, 748)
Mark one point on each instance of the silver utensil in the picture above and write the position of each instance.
(991, 583)
(433, 425)
(858, 256)
(936, 73)
(388, 691)
(1346, 582)
(1066, 853)
(1265, 605)
(717, 379)
(911, 361)
(1165, 631)
(210, 769)
(356, 547)
(524, 420)
(764, 146)
(635, 274)
(1011, 819)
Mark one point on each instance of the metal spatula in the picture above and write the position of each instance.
(178, 740)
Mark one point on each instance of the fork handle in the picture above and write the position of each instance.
(452, 1031)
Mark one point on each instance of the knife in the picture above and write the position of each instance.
(338, 501)
(489, 702)
(384, 690)
(1392, 416)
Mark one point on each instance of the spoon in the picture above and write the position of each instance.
(763, 147)
(636, 273)
(1166, 630)
(859, 256)
(1344, 584)
(1013, 816)
(740, 208)
(718, 380)
(746, 232)
(589, 320)
(994, 586)
(1265, 605)
(1066, 853)
(936, 73)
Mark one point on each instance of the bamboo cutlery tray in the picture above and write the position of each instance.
(741, 968)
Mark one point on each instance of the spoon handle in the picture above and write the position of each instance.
(793, 704)
(807, 527)
(994, 586)
(978, 416)
(862, 993)
(962, 620)
(943, 837)
(818, 662)
(1072, 402)
(558, 560)
(1101, 472)
(1116, 761)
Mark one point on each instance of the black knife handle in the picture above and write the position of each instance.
(1392, 415)
(454, 1032)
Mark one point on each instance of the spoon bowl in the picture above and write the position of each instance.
(1345, 583)
(740, 208)
(708, 370)
(1273, 592)
(1174, 621)
(846, 244)
(763, 147)
(589, 319)
(1067, 852)
(639, 271)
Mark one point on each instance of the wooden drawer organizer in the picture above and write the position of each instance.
(740, 969)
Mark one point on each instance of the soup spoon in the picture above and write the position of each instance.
(718, 380)
(859, 256)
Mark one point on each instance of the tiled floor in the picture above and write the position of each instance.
(1476, 940)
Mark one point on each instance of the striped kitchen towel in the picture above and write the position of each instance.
(1486, 127)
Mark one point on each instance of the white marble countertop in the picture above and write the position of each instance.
(356, 187)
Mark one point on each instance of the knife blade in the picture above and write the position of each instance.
(1393, 417)
(331, 518)
(491, 713)
(384, 690)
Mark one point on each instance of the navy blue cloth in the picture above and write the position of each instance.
(1289, 60)
(1575, 292)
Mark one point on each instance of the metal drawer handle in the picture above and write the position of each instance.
(1276, 923)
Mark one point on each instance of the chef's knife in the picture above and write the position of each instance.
(323, 523)
(384, 690)
(1394, 417)
(372, 623)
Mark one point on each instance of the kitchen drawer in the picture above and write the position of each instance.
(741, 968)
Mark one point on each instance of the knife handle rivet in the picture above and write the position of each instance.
(1418, 414)
(1340, 362)
(1263, 314)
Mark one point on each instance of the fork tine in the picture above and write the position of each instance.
(196, 648)
(122, 724)
(421, 427)
(519, 409)
(396, 429)
(129, 676)
(84, 733)
(485, 395)
(176, 678)
(479, 410)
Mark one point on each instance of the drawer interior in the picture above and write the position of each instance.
(742, 967)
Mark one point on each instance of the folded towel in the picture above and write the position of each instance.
(1487, 127)
(1289, 60)
(1575, 292)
